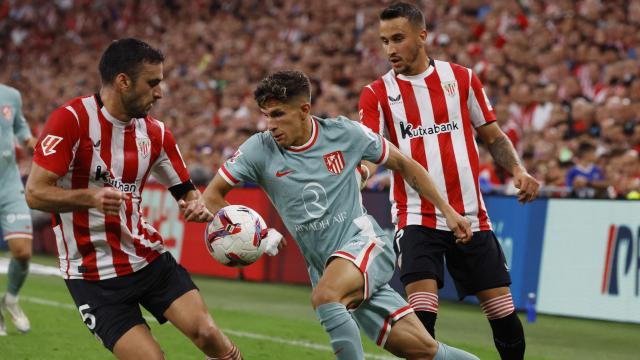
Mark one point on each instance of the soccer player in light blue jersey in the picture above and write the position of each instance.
(15, 218)
(308, 167)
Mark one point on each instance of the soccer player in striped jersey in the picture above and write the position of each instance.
(92, 161)
(429, 110)
(15, 219)
(307, 166)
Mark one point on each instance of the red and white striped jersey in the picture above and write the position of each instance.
(88, 148)
(430, 117)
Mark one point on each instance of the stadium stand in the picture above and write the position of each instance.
(559, 73)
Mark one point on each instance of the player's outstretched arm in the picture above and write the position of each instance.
(420, 180)
(505, 155)
(42, 193)
(215, 192)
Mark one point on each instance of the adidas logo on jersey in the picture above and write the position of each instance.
(106, 178)
(407, 130)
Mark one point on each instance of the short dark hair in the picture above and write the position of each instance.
(282, 86)
(127, 56)
(584, 148)
(407, 11)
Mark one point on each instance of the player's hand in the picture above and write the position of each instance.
(461, 227)
(195, 210)
(272, 241)
(527, 185)
(109, 200)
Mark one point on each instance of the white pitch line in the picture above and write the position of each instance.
(298, 343)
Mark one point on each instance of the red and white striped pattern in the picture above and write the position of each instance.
(424, 301)
(498, 307)
(388, 323)
(96, 151)
(444, 95)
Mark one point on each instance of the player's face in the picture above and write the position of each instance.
(144, 92)
(403, 44)
(287, 122)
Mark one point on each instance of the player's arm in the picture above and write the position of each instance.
(370, 116)
(505, 155)
(215, 192)
(420, 180)
(21, 127)
(42, 193)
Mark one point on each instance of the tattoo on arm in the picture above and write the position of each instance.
(413, 182)
(504, 154)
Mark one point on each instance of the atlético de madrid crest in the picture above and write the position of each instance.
(334, 162)
(144, 147)
(7, 112)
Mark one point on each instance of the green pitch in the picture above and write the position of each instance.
(270, 321)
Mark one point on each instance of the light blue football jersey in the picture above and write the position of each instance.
(12, 122)
(314, 187)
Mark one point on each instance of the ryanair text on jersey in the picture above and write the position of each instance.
(107, 179)
(407, 130)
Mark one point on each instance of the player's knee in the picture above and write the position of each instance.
(324, 295)
(22, 253)
(205, 334)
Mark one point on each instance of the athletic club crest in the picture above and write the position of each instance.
(450, 87)
(334, 162)
(7, 112)
(144, 147)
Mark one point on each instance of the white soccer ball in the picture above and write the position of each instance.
(234, 236)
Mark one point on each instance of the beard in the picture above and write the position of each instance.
(134, 107)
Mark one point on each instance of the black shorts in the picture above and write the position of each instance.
(111, 307)
(475, 266)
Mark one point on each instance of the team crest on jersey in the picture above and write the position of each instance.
(49, 143)
(144, 147)
(334, 162)
(450, 87)
(7, 112)
(235, 155)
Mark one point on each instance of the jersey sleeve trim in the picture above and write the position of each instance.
(226, 175)
(385, 152)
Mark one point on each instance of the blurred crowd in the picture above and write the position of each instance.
(564, 76)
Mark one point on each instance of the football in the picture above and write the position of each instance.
(234, 236)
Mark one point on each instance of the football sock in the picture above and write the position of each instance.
(425, 305)
(343, 331)
(18, 271)
(446, 352)
(233, 354)
(508, 334)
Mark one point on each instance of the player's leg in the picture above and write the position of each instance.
(17, 228)
(480, 268)
(387, 319)
(420, 252)
(340, 287)
(190, 315)
(410, 340)
(508, 334)
(172, 295)
(138, 343)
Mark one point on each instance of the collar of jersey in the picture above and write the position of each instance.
(108, 116)
(430, 69)
(312, 139)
